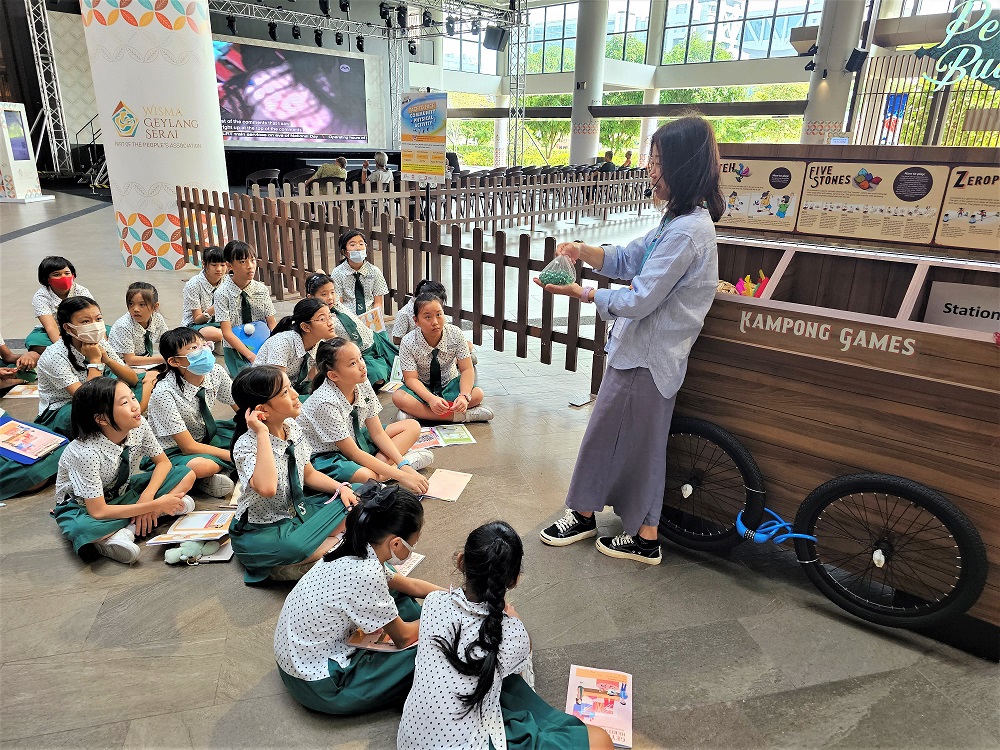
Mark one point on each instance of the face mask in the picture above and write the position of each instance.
(395, 560)
(357, 256)
(200, 362)
(89, 333)
(62, 283)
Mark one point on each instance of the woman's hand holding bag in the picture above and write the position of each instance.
(559, 276)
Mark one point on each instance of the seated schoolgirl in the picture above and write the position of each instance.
(340, 420)
(404, 322)
(136, 336)
(57, 277)
(240, 299)
(199, 295)
(81, 353)
(292, 344)
(180, 410)
(101, 497)
(440, 380)
(351, 589)
(16, 369)
(360, 285)
(279, 531)
(467, 691)
(378, 352)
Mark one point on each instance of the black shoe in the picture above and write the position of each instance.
(572, 527)
(627, 547)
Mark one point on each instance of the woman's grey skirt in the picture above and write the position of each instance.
(623, 457)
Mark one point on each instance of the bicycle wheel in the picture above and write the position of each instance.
(711, 477)
(890, 550)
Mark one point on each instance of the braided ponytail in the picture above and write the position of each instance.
(492, 561)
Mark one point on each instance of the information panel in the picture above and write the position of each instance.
(761, 194)
(423, 133)
(971, 214)
(872, 201)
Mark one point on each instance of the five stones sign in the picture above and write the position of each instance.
(971, 47)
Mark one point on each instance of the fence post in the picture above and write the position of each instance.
(477, 287)
(499, 288)
(521, 325)
(456, 275)
(548, 303)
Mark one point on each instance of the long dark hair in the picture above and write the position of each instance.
(252, 387)
(64, 316)
(689, 163)
(326, 359)
(171, 343)
(93, 399)
(346, 237)
(302, 313)
(492, 561)
(382, 511)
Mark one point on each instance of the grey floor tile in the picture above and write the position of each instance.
(248, 670)
(101, 737)
(970, 683)
(48, 625)
(897, 709)
(713, 727)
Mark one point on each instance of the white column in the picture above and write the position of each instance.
(591, 32)
(154, 80)
(501, 139)
(649, 96)
(829, 83)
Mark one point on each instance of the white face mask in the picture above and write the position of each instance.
(397, 561)
(357, 256)
(89, 333)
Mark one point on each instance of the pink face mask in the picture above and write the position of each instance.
(62, 283)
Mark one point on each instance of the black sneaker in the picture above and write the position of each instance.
(572, 527)
(627, 547)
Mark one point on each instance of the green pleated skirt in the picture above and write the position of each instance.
(82, 529)
(379, 358)
(449, 392)
(372, 681)
(532, 724)
(235, 362)
(17, 478)
(57, 420)
(335, 464)
(263, 546)
(223, 439)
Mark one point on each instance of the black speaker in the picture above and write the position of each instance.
(496, 38)
(856, 61)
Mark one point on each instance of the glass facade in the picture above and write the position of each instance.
(552, 38)
(465, 52)
(715, 30)
(628, 30)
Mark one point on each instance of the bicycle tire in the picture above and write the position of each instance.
(721, 478)
(890, 550)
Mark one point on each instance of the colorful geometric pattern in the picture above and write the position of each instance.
(172, 15)
(151, 243)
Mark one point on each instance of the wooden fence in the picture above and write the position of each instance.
(293, 240)
(487, 202)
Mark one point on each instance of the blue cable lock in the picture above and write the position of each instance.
(776, 530)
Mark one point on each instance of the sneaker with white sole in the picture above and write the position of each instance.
(478, 414)
(572, 527)
(401, 415)
(188, 505)
(420, 459)
(120, 547)
(217, 485)
(628, 547)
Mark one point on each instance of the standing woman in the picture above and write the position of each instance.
(673, 272)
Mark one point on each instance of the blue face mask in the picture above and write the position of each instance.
(200, 362)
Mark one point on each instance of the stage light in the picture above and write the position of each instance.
(383, 11)
(272, 31)
(339, 38)
(428, 19)
(360, 43)
(324, 7)
(413, 48)
(296, 32)
(318, 36)
(812, 50)
(345, 6)
(810, 66)
(475, 27)
(401, 16)
(449, 26)
(824, 74)
(231, 23)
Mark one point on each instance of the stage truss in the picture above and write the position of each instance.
(48, 79)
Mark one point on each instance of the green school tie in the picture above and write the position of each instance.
(147, 344)
(121, 480)
(435, 373)
(302, 384)
(359, 437)
(245, 313)
(206, 416)
(294, 483)
(350, 326)
(359, 295)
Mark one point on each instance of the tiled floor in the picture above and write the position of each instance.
(726, 653)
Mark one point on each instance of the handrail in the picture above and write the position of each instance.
(93, 135)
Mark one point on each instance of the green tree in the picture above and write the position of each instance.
(634, 47)
(546, 135)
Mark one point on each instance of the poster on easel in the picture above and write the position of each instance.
(970, 216)
(423, 136)
(761, 194)
(872, 201)
(18, 175)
